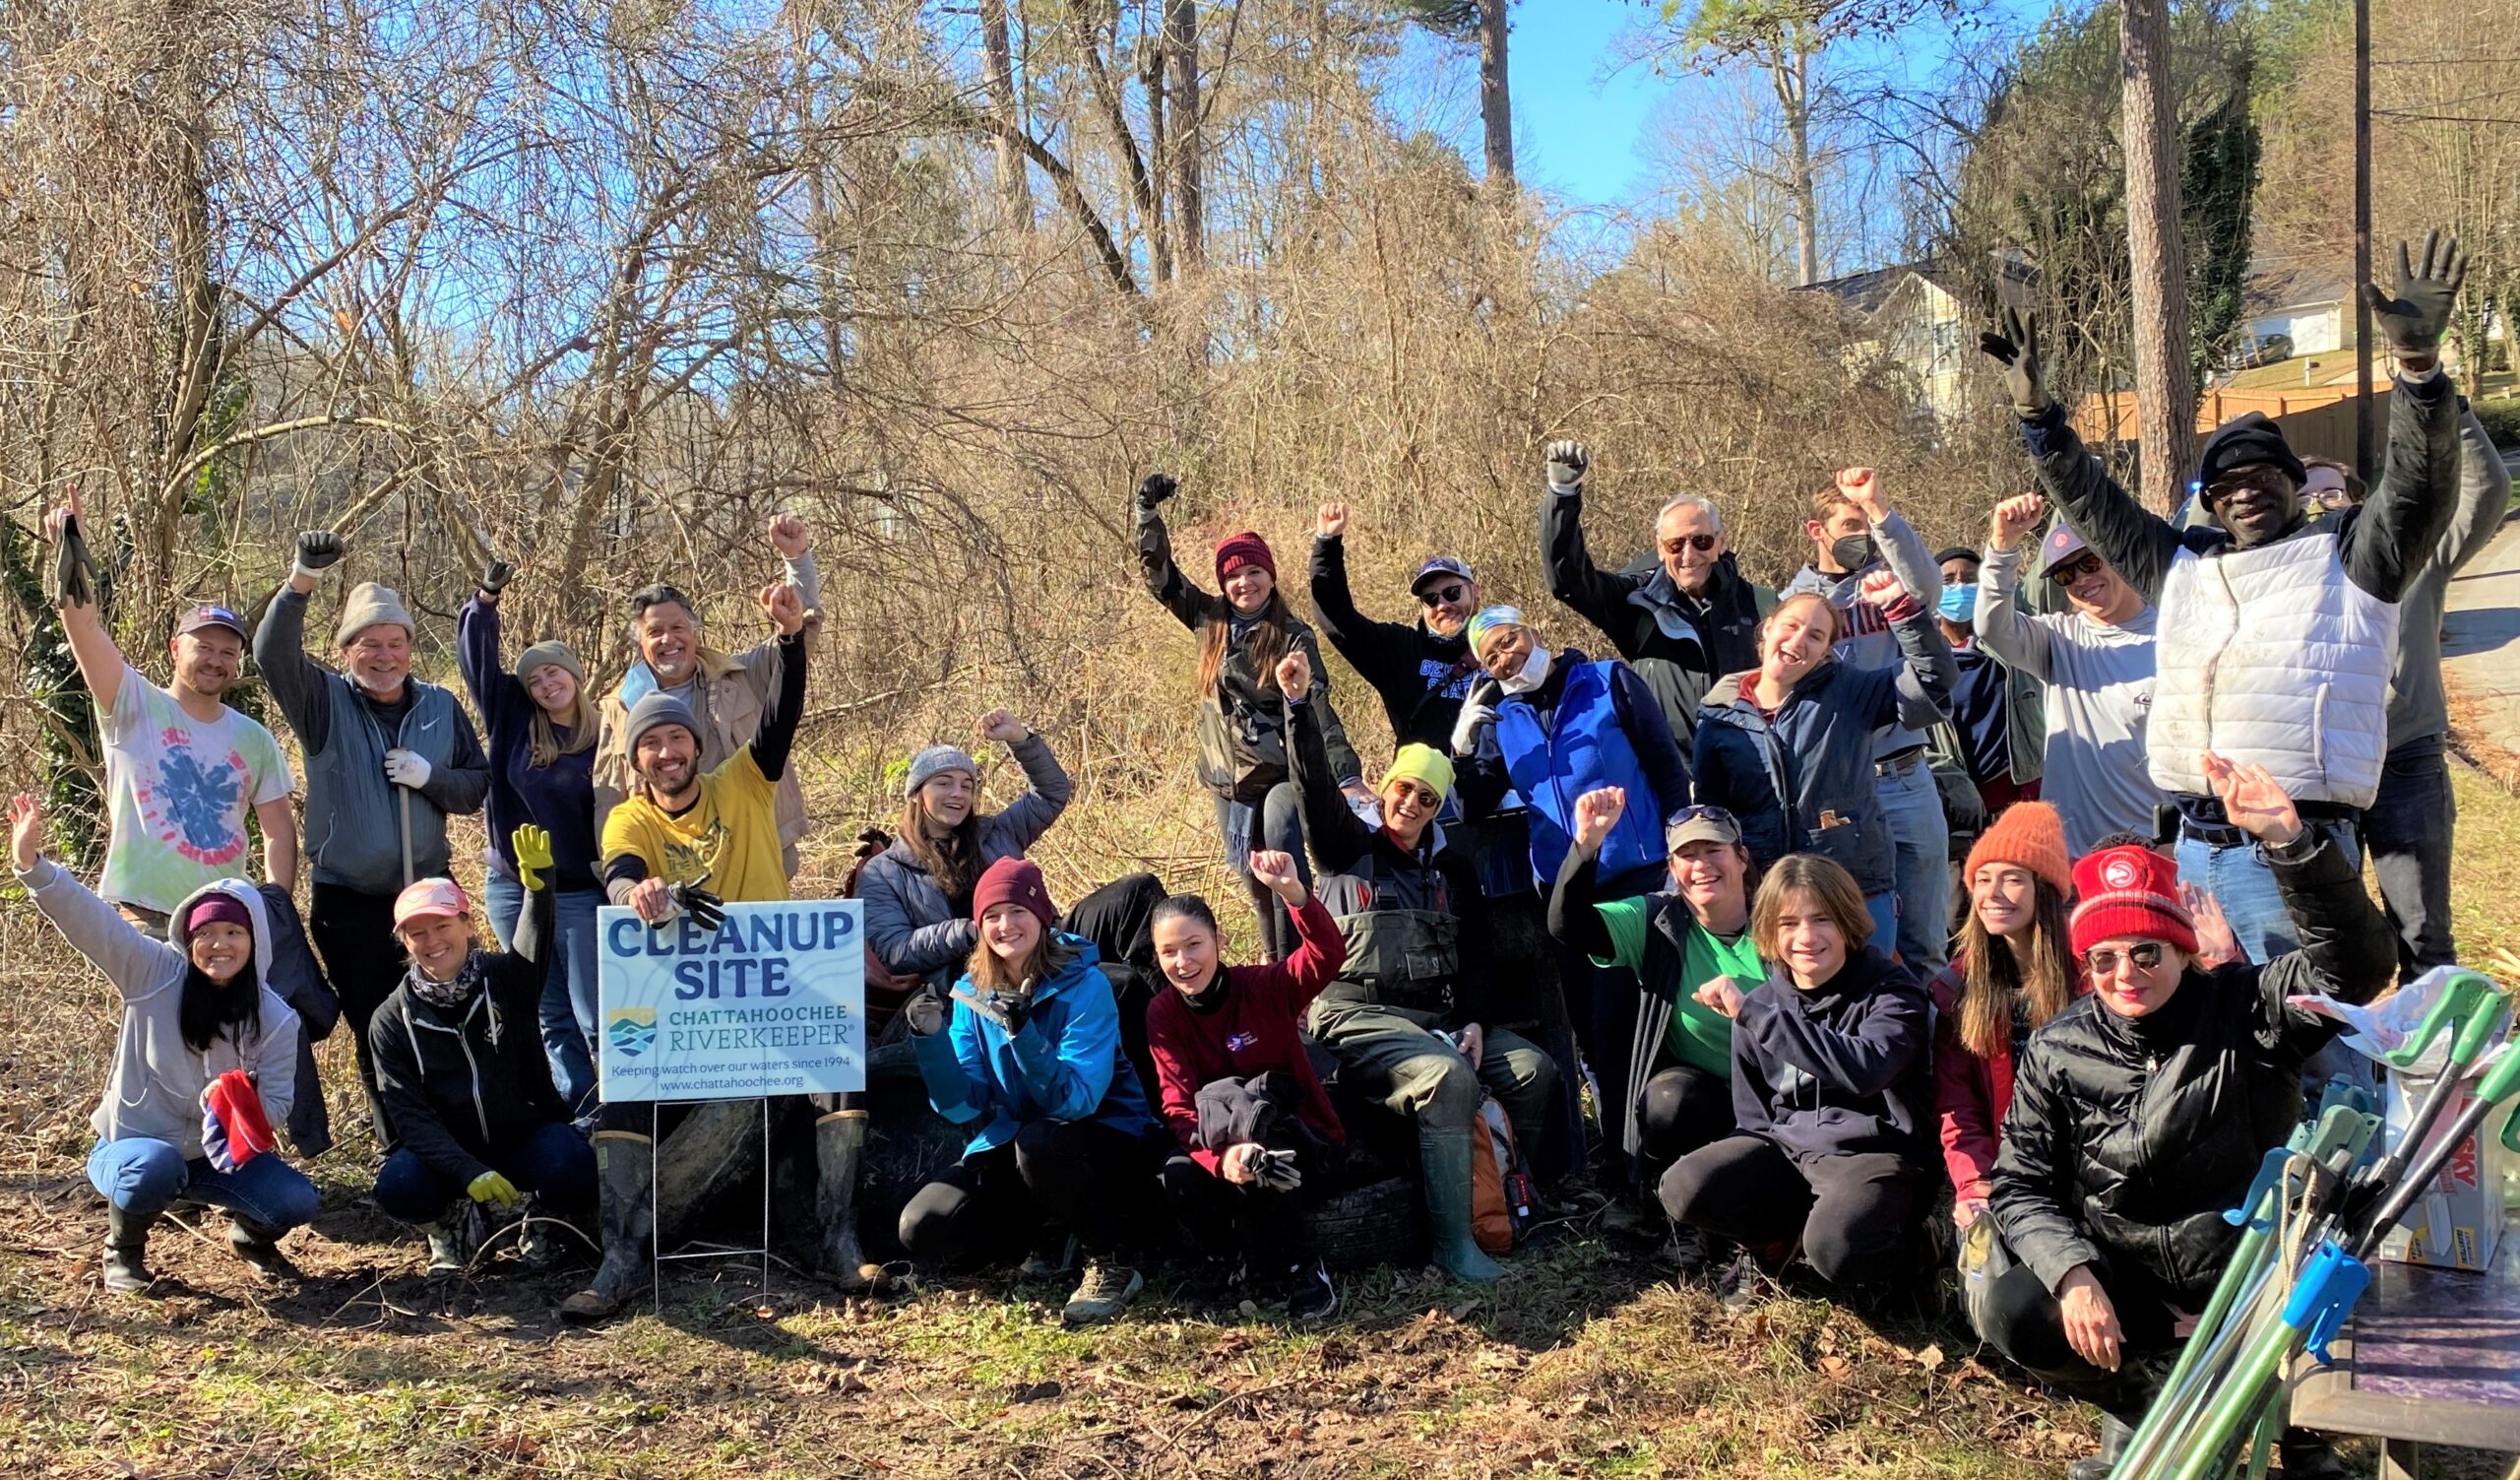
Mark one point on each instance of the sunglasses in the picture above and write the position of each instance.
(1443, 596)
(1699, 542)
(1701, 814)
(2075, 570)
(2144, 957)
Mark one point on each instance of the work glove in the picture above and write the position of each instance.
(73, 570)
(924, 1012)
(1568, 462)
(1155, 488)
(1006, 1009)
(406, 768)
(1277, 1171)
(2412, 321)
(2016, 349)
(1477, 712)
(234, 1129)
(495, 578)
(318, 551)
(706, 910)
(495, 1190)
(533, 847)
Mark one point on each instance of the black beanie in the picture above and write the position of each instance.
(2248, 440)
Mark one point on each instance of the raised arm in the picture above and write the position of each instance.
(83, 623)
(1575, 915)
(2402, 525)
(1926, 678)
(1384, 654)
(2348, 950)
(2011, 634)
(1902, 547)
(1337, 836)
(498, 694)
(2137, 543)
(295, 682)
(1030, 815)
(779, 719)
(1598, 595)
(1320, 950)
(2484, 497)
(1164, 579)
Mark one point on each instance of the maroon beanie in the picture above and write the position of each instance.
(217, 907)
(2129, 892)
(1016, 881)
(1245, 548)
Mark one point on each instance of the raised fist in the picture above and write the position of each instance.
(789, 536)
(2015, 517)
(1595, 813)
(495, 578)
(1568, 462)
(318, 549)
(784, 605)
(1331, 522)
(1155, 488)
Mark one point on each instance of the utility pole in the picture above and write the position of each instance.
(2364, 429)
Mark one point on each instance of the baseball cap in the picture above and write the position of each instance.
(1699, 824)
(431, 897)
(1440, 566)
(211, 617)
(2060, 546)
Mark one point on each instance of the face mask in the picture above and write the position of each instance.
(1959, 602)
(1535, 673)
(1853, 551)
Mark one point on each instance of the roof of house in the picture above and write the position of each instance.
(2279, 285)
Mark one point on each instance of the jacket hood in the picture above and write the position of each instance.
(244, 893)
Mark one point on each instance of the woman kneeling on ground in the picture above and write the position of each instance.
(2141, 1113)
(180, 1119)
(1832, 1098)
(1031, 1055)
(466, 1081)
(1257, 1135)
(1680, 945)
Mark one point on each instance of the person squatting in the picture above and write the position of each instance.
(1816, 1054)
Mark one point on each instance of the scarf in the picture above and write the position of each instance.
(453, 999)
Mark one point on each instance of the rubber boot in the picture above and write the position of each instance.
(624, 1176)
(839, 1140)
(2309, 1457)
(259, 1247)
(126, 1251)
(446, 1245)
(2115, 1436)
(1443, 1158)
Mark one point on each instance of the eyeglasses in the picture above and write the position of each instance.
(2075, 570)
(1443, 596)
(2144, 956)
(1701, 814)
(1699, 542)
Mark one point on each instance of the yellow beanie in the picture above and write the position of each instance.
(1423, 765)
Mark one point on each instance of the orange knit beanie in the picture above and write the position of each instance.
(2029, 834)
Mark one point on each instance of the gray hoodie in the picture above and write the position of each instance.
(157, 1079)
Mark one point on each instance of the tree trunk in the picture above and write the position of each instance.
(1116, 119)
(1791, 73)
(1014, 183)
(2164, 379)
(1495, 99)
(1158, 157)
(1189, 200)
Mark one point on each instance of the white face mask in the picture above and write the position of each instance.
(1534, 672)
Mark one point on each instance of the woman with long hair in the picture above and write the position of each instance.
(541, 723)
(1031, 1060)
(1242, 634)
(205, 1065)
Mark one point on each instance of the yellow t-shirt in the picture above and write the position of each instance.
(728, 843)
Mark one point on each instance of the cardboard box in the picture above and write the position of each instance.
(2458, 1221)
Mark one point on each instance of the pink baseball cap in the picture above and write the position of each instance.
(431, 897)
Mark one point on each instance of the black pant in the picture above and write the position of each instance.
(354, 934)
(1266, 1226)
(2409, 829)
(1681, 1109)
(1095, 1181)
(1861, 1218)
(1119, 919)
(2025, 1322)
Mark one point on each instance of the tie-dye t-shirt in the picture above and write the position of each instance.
(179, 790)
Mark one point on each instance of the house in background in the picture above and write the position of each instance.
(2307, 307)
(1912, 317)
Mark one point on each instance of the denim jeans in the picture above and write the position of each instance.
(1920, 844)
(2409, 829)
(144, 1177)
(1277, 823)
(553, 1162)
(568, 986)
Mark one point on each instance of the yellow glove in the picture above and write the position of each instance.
(496, 1190)
(533, 852)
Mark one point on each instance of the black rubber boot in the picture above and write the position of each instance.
(259, 1247)
(2309, 1457)
(625, 1177)
(840, 1141)
(2115, 1436)
(126, 1251)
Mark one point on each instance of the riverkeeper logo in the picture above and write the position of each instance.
(633, 1031)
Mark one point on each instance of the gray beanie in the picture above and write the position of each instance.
(936, 759)
(370, 606)
(652, 710)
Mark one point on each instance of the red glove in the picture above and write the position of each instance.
(234, 1128)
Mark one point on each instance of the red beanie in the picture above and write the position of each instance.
(1016, 881)
(1245, 548)
(215, 907)
(2129, 892)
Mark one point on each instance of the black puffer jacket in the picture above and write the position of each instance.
(2130, 1136)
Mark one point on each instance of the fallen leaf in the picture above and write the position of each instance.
(1930, 1359)
(1835, 1367)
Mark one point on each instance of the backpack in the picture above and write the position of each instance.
(1502, 1195)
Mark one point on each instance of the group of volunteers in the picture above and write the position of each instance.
(2157, 752)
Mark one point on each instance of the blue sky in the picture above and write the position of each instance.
(1578, 132)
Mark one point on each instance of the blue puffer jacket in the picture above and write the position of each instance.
(1802, 779)
(1065, 1064)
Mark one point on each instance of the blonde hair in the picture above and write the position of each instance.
(1830, 886)
(544, 745)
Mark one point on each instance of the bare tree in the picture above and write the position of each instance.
(2165, 376)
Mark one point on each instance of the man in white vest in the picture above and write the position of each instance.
(2276, 633)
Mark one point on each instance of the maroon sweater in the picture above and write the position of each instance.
(1259, 1028)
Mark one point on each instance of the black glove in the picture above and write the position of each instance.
(1277, 1171)
(2016, 349)
(73, 570)
(1006, 1009)
(706, 910)
(495, 578)
(318, 549)
(1568, 462)
(1155, 488)
(2414, 320)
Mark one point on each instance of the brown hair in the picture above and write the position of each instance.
(2355, 487)
(1050, 955)
(953, 862)
(1990, 976)
(1269, 642)
(1831, 498)
(1827, 882)
(1836, 618)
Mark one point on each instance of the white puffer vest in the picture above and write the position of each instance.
(2273, 655)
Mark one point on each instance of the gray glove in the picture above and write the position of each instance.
(924, 1012)
(318, 551)
(495, 578)
(1155, 488)
(73, 570)
(1004, 1008)
(2412, 321)
(1277, 1171)
(1568, 462)
(2016, 349)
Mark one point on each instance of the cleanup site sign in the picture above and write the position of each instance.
(770, 1002)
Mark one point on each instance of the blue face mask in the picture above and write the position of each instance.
(1959, 602)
